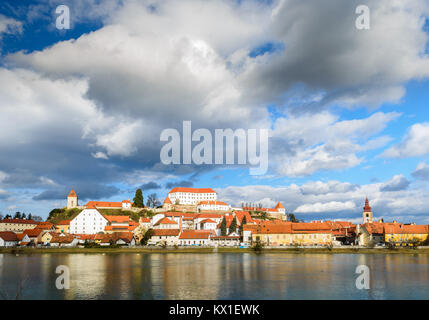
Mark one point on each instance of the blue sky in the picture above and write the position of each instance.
(347, 110)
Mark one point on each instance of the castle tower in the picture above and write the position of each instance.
(367, 213)
(72, 201)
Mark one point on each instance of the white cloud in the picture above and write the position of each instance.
(397, 183)
(415, 143)
(332, 206)
(421, 171)
(9, 25)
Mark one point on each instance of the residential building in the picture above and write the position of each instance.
(213, 205)
(225, 241)
(17, 225)
(166, 223)
(168, 236)
(8, 239)
(63, 226)
(195, 238)
(370, 233)
(125, 204)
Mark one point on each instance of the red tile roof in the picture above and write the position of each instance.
(104, 204)
(192, 190)
(165, 220)
(279, 206)
(72, 194)
(33, 233)
(214, 203)
(165, 232)
(19, 221)
(195, 234)
(64, 223)
(117, 219)
(8, 236)
(167, 200)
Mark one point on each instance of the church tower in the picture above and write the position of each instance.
(72, 200)
(367, 213)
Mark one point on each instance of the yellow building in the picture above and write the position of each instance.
(17, 225)
(63, 226)
(45, 238)
(288, 233)
(400, 234)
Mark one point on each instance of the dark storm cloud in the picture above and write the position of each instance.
(84, 192)
(183, 183)
(150, 186)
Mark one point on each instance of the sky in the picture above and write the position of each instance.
(346, 109)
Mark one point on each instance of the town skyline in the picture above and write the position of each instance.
(83, 105)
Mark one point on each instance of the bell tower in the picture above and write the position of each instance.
(72, 201)
(367, 213)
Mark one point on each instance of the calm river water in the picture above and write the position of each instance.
(215, 276)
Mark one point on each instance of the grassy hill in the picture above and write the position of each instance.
(56, 215)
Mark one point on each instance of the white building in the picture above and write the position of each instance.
(195, 238)
(206, 224)
(89, 221)
(191, 196)
(213, 206)
(8, 239)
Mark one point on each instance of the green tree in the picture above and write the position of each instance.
(30, 217)
(243, 222)
(291, 217)
(233, 225)
(138, 199)
(17, 215)
(146, 237)
(223, 227)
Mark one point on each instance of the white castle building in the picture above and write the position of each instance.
(191, 196)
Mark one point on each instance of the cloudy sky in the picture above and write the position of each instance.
(346, 109)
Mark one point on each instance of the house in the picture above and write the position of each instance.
(124, 204)
(17, 225)
(46, 226)
(168, 236)
(89, 221)
(33, 234)
(23, 239)
(166, 223)
(343, 232)
(225, 241)
(63, 240)
(399, 234)
(144, 223)
(280, 233)
(63, 226)
(371, 233)
(120, 224)
(311, 233)
(278, 212)
(117, 238)
(195, 238)
(45, 237)
(213, 205)
(8, 239)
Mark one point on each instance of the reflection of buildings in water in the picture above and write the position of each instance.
(185, 276)
(88, 276)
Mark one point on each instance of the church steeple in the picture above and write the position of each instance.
(367, 212)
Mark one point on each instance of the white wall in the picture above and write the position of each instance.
(89, 221)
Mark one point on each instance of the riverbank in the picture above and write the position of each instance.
(346, 250)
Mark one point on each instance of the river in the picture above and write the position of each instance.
(214, 276)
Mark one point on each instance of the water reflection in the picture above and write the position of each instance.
(215, 276)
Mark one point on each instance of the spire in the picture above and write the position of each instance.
(167, 200)
(367, 208)
(279, 205)
(72, 194)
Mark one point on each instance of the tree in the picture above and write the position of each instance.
(243, 222)
(223, 227)
(17, 215)
(233, 225)
(23, 216)
(8, 216)
(291, 217)
(264, 215)
(152, 200)
(37, 218)
(138, 199)
(30, 216)
(146, 237)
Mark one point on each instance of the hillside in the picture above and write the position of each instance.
(56, 215)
